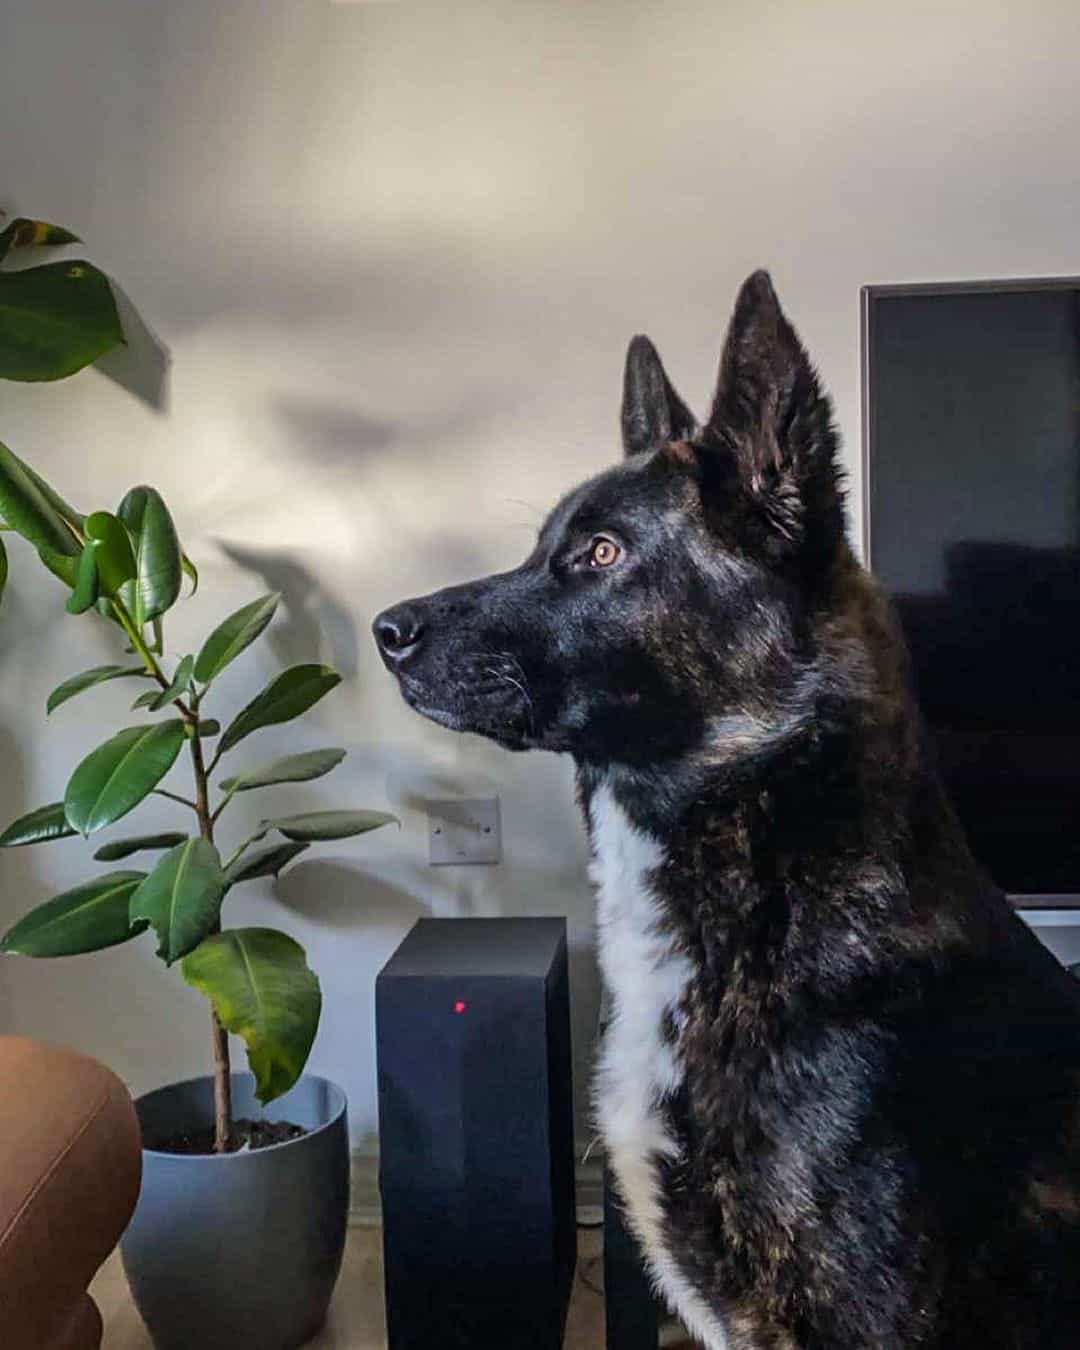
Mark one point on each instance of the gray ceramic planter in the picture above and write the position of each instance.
(242, 1249)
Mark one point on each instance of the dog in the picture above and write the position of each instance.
(840, 1090)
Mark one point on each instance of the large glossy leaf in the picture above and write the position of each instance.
(54, 320)
(267, 862)
(158, 560)
(38, 827)
(181, 683)
(288, 695)
(316, 825)
(62, 565)
(116, 776)
(142, 843)
(263, 990)
(182, 897)
(230, 638)
(291, 769)
(87, 680)
(24, 233)
(86, 919)
(26, 508)
(84, 594)
(112, 551)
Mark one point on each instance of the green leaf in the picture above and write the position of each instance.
(143, 843)
(268, 862)
(146, 700)
(209, 726)
(292, 769)
(62, 508)
(87, 583)
(288, 695)
(190, 571)
(112, 551)
(27, 509)
(24, 233)
(38, 827)
(86, 919)
(230, 638)
(181, 683)
(182, 898)
(61, 565)
(315, 825)
(95, 675)
(158, 561)
(55, 319)
(114, 778)
(262, 989)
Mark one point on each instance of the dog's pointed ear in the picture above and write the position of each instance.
(772, 414)
(653, 415)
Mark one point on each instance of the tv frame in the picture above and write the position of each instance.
(1058, 910)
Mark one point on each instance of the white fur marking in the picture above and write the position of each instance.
(645, 978)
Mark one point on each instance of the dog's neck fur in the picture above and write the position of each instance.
(828, 795)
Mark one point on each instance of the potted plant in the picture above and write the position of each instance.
(239, 1230)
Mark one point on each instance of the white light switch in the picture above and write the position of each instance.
(464, 831)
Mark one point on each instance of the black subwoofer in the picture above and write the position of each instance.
(476, 1135)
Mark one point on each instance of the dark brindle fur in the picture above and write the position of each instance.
(876, 1109)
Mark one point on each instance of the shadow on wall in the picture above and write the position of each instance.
(313, 622)
(331, 433)
(334, 434)
(142, 365)
(348, 898)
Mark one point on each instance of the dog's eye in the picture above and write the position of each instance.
(604, 552)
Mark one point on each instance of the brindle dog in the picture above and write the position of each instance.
(841, 1088)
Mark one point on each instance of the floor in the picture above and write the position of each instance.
(356, 1314)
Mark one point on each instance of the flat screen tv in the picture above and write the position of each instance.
(971, 473)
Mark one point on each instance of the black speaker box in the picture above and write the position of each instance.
(476, 1135)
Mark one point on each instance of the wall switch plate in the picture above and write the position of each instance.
(464, 831)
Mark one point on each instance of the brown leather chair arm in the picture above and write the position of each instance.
(70, 1166)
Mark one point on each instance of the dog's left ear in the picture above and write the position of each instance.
(653, 415)
(771, 413)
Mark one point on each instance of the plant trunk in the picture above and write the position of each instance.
(223, 1121)
(222, 1087)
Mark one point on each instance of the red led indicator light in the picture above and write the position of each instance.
(459, 1006)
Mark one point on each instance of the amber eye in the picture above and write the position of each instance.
(603, 553)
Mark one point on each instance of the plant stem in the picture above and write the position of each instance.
(222, 1070)
(201, 805)
(137, 641)
(222, 1086)
(175, 797)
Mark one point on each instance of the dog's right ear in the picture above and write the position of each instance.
(653, 415)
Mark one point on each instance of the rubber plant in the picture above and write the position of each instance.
(127, 568)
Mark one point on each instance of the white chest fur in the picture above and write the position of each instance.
(646, 979)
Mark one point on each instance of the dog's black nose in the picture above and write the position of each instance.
(398, 632)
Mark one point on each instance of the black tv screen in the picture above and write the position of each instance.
(972, 520)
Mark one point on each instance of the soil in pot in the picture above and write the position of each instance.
(246, 1135)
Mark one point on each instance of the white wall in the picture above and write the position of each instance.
(396, 251)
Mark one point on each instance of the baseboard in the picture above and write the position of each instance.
(365, 1209)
